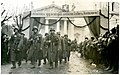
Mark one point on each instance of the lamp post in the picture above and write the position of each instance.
(108, 18)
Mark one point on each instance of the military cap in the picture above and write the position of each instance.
(35, 27)
(86, 37)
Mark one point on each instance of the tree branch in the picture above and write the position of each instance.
(26, 28)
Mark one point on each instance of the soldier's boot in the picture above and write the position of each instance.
(51, 65)
(56, 64)
(60, 60)
(39, 63)
(19, 63)
(68, 58)
(14, 65)
(65, 60)
(26, 60)
(33, 62)
(44, 61)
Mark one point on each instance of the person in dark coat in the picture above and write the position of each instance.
(84, 49)
(45, 47)
(67, 48)
(24, 46)
(40, 47)
(60, 47)
(14, 49)
(53, 48)
(4, 48)
(34, 47)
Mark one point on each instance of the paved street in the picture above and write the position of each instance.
(76, 65)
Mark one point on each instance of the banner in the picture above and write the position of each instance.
(73, 14)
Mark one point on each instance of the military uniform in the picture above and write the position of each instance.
(45, 47)
(67, 49)
(40, 51)
(34, 52)
(60, 43)
(14, 49)
(53, 49)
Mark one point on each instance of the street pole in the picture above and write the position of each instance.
(108, 18)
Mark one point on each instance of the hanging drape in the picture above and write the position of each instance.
(94, 26)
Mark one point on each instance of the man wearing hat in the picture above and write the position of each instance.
(34, 51)
(53, 48)
(15, 51)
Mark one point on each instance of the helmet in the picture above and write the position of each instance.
(66, 35)
(35, 27)
(58, 33)
(52, 29)
(46, 34)
(86, 37)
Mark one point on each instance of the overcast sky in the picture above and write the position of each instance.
(80, 4)
(11, 5)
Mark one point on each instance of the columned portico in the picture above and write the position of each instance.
(46, 27)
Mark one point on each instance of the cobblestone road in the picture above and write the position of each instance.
(76, 65)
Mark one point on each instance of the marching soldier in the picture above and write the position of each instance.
(24, 46)
(14, 49)
(60, 43)
(40, 46)
(34, 48)
(53, 48)
(45, 47)
(67, 48)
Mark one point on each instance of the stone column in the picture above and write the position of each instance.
(58, 27)
(65, 27)
(46, 26)
(72, 31)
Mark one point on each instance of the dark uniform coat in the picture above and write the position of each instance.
(34, 51)
(14, 43)
(45, 46)
(53, 48)
(66, 48)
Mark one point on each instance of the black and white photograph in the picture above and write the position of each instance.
(59, 37)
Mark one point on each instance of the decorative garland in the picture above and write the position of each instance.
(103, 15)
(47, 24)
(80, 26)
(103, 28)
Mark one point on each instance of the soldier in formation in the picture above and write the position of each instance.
(15, 49)
(35, 51)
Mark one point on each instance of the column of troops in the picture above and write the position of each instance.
(102, 50)
(52, 48)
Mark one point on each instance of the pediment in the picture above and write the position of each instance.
(49, 8)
